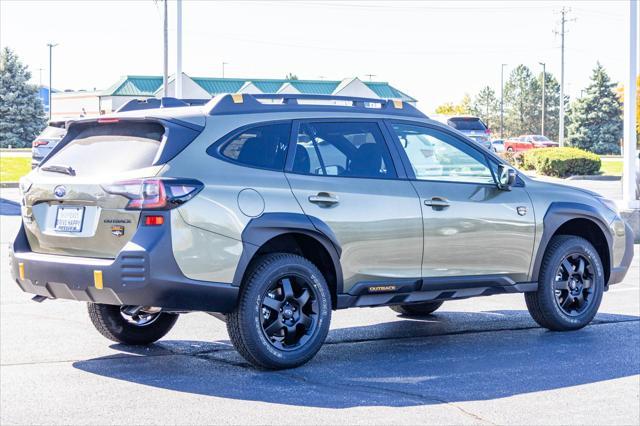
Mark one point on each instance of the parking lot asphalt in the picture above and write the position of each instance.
(476, 361)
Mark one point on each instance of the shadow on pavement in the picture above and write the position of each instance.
(409, 362)
(9, 208)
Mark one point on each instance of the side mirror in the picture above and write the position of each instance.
(506, 177)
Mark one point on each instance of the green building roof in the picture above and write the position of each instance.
(137, 85)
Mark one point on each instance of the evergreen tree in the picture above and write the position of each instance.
(521, 103)
(487, 107)
(596, 118)
(21, 110)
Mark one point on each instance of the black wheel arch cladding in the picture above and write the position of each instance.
(268, 226)
(561, 213)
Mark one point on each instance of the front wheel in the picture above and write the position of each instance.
(129, 324)
(283, 312)
(570, 285)
(510, 149)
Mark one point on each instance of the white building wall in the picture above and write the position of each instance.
(74, 104)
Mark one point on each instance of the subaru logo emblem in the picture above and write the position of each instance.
(60, 191)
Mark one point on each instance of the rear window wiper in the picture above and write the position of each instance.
(68, 170)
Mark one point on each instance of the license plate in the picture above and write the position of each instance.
(69, 219)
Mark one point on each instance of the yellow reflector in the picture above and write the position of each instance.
(97, 279)
(237, 98)
(21, 270)
(397, 104)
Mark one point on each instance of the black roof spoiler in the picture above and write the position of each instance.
(154, 103)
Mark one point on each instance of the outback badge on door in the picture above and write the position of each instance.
(117, 230)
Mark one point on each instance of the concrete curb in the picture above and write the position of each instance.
(8, 184)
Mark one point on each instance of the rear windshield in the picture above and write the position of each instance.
(112, 148)
(464, 123)
(52, 133)
(541, 139)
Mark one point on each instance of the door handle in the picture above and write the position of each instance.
(437, 202)
(323, 199)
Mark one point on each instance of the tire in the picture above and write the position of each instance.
(556, 304)
(111, 323)
(417, 309)
(259, 327)
(510, 149)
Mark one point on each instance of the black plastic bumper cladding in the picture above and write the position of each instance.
(144, 273)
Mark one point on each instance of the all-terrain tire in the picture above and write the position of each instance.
(543, 304)
(245, 323)
(108, 320)
(417, 309)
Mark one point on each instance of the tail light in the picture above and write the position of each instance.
(39, 142)
(155, 194)
(487, 131)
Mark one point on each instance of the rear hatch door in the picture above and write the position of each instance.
(66, 210)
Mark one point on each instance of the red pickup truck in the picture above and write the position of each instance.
(526, 142)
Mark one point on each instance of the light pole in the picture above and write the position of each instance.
(165, 64)
(544, 80)
(178, 78)
(502, 101)
(223, 64)
(51, 46)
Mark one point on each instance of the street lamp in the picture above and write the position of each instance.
(51, 46)
(502, 101)
(544, 79)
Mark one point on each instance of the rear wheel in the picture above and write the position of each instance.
(510, 149)
(570, 285)
(417, 309)
(283, 312)
(129, 324)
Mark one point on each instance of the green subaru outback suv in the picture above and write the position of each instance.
(271, 211)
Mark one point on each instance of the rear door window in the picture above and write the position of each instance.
(347, 149)
(264, 147)
(110, 148)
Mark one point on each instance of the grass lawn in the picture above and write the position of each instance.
(612, 167)
(13, 168)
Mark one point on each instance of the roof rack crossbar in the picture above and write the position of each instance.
(250, 103)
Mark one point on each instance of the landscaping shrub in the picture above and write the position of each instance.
(561, 162)
(515, 158)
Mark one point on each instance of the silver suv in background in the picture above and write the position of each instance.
(46, 141)
(472, 127)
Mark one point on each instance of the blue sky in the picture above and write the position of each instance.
(434, 51)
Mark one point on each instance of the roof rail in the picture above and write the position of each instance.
(166, 102)
(242, 103)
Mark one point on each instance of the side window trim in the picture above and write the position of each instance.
(214, 150)
(407, 163)
(387, 139)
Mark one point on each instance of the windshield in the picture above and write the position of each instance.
(467, 123)
(110, 148)
(540, 139)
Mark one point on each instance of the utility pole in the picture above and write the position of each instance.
(502, 101)
(563, 21)
(223, 64)
(51, 46)
(165, 71)
(629, 182)
(178, 77)
(370, 76)
(544, 81)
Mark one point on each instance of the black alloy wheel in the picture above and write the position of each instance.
(574, 284)
(289, 312)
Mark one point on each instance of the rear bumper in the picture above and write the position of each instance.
(618, 273)
(144, 273)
